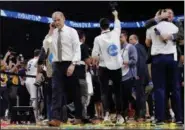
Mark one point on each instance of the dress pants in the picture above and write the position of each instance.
(115, 76)
(165, 71)
(61, 89)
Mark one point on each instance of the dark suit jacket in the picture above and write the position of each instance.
(142, 69)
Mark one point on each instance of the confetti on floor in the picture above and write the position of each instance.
(130, 126)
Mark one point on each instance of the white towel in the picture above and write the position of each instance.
(89, 83)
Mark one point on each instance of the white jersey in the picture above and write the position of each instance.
(32, 66)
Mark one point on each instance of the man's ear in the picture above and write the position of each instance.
(64, 18)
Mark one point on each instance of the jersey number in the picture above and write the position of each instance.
(29, 66)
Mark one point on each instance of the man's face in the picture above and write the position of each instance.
(83, 39)
(59, 20)
(123, 38)
(132, 40)
(170, 15)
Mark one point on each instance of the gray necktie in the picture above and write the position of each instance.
(59, 45)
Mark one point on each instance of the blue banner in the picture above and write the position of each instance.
(37, 18)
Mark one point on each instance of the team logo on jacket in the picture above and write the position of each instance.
(112, 50)
(50, 58)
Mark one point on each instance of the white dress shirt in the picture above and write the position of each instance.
(70, 44)
(107, 47)
(158, 46)
(125, 57)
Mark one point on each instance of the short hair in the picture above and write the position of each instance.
(36, 52)
(81, 34)
(1, 56)
(135, 36)
(104, 23)
(124, 32)
(170, 9)
(57, 13)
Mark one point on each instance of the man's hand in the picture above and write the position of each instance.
(125, 63)
(95, 61)
(181, 42)
(137, 77)
(8, 53)
(18, 63)
(157, 14)
(51, 28)
(182, 59)
(183, 84)
(115, 13)
(39, 68)
(166, 37)
(164, 15)
(11, 64)
(88, 61)
(70, 70)
(148, 42)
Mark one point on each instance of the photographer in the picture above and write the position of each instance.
(82, 73)
(14, 83)
(45, 59)
(3, 89)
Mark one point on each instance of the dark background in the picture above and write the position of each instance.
(25, 36)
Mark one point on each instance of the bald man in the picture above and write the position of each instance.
(143, 77)
(66, 53)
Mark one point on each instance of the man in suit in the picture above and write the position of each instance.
(129, 72)
(142, 76)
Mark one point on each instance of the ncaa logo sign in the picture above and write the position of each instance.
(112, 50)
(50, 58)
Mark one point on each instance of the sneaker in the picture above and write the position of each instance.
(113, 117)
(77, 122)
(159, 123)
(95, 120)
(147, 118)
(140, 120)
(6, 114)
(179, 122)
(152, 119)
(41, 118)
(120, 120)
(172, 114)
(46, 120)
(107, 118)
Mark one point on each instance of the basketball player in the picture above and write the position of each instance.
(32, 70)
